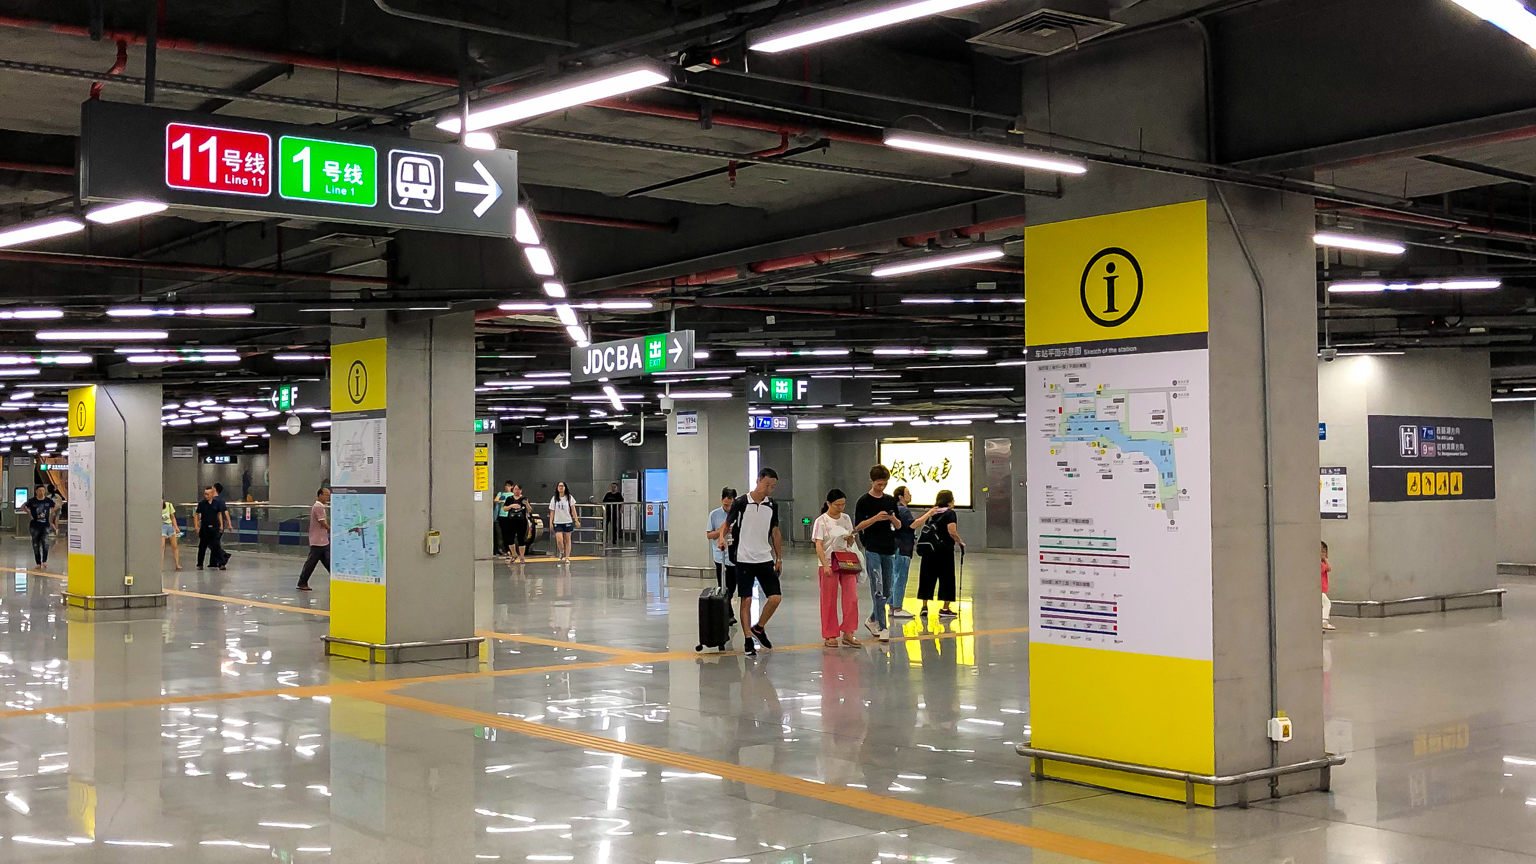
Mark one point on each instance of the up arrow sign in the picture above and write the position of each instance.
(490, 189)
(761, 387)
(677, 349)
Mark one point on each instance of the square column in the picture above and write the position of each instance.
(294, 468)
(704, 454)
(115, 480)
(1172, 521)
(402, 520)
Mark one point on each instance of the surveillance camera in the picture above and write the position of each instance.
(630, 438)
(666, 405)
(1328, 354)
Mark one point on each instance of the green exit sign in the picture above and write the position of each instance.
(485, 424)
(286, 397)
(332, 172)
(781, 389)
(656, 353)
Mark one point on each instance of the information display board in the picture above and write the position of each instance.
(1429, 458)
(1333, 493)
(925, 467)
(254, 167)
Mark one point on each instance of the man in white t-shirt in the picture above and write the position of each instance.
(751, 535)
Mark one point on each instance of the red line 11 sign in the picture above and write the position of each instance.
(210, 159)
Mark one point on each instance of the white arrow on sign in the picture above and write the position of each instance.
(490, 189)
(677, 349)
(761, 387)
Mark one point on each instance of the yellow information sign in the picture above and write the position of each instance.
(358, 376)
(1120, 276)
(82, 412)
(482, 467)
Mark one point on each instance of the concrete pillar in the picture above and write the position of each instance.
(294, 469)
(1396, 545)
(1514, 442)
(402, 416)
(811, 465)
(702, 458)
(115, 477)
(179, 473)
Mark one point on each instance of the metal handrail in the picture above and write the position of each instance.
(1038, 756)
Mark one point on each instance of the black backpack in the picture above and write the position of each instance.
(929, 541)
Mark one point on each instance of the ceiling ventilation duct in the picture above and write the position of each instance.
(1042, 27)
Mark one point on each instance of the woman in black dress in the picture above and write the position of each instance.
(938, 567)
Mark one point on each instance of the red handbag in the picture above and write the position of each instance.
(846, 562)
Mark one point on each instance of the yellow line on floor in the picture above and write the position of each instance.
(225, 598)
(559, 643)
(994, 829)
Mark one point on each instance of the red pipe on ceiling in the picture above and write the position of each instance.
(1430, 222)
(71, 260)
(38, 168)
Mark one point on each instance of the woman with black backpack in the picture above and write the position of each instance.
(938, 534)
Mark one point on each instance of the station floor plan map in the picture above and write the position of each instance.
(1119, 501)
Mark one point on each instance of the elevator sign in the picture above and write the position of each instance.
(262, 169)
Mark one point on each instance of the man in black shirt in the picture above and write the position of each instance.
(875, 521)
(209, 520)
(45, 518)
(613, 499)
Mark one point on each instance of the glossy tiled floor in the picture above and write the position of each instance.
(590, 732)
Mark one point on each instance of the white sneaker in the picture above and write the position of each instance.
(883, 636)
(873, 630)
(902, 613)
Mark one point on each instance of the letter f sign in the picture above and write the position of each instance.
(801, 385)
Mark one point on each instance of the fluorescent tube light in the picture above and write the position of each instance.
(943, 301)
(973, 389)
(193, 311)
(39, 231)
(115, 213)
(539, 260)
(939, 262)
(997, 154)
(701, 394)
(566, 315)
(31, 314)
(103, 335)
(576, 333)
(900, 418)
(522, 228)
(847, 21)
(561, 93)
(554, 289)
(1447, 285)
(1511, 16)
(613, 397)
(802, 352)
(920, 352)
(965, 416)
(299, 358)
(1362, 244)
(19, 372)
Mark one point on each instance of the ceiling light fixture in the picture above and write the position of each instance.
(31, 314)
(900, 418)
(156, 312)
(554, 289)
(803, 352)
(39, 231)
(480, 141)
(564, 92)
(566, 315)
(973, 389)
(299, 358)
(847, 21)
(114, 213)
(997, 154)
(613, 397)
(19, 372)
(522, 228)
(1511, 16)
(576, 333)
(1361, 244)
(919, 352)
(101, 335)
(1447, 285)
(539, 260)
(939, 262)
(965, 416)
(701, 394)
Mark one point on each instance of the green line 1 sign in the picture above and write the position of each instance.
(309, 169)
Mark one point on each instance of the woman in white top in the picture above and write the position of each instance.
(563, 519)
(833, 532)
(170, 532)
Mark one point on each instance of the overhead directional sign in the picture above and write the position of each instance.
(807, 391)
(630, 358)
(234, 165)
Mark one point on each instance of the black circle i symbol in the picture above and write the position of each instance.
(357, 381)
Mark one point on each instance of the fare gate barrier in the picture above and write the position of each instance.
(258, 527)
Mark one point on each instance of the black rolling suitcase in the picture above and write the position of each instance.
(714, 619)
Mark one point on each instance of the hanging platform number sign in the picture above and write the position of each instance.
(210, 159)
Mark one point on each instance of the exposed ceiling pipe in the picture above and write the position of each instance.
(65, 259)
(38, 168)
(478, 28)
(1456, 225)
